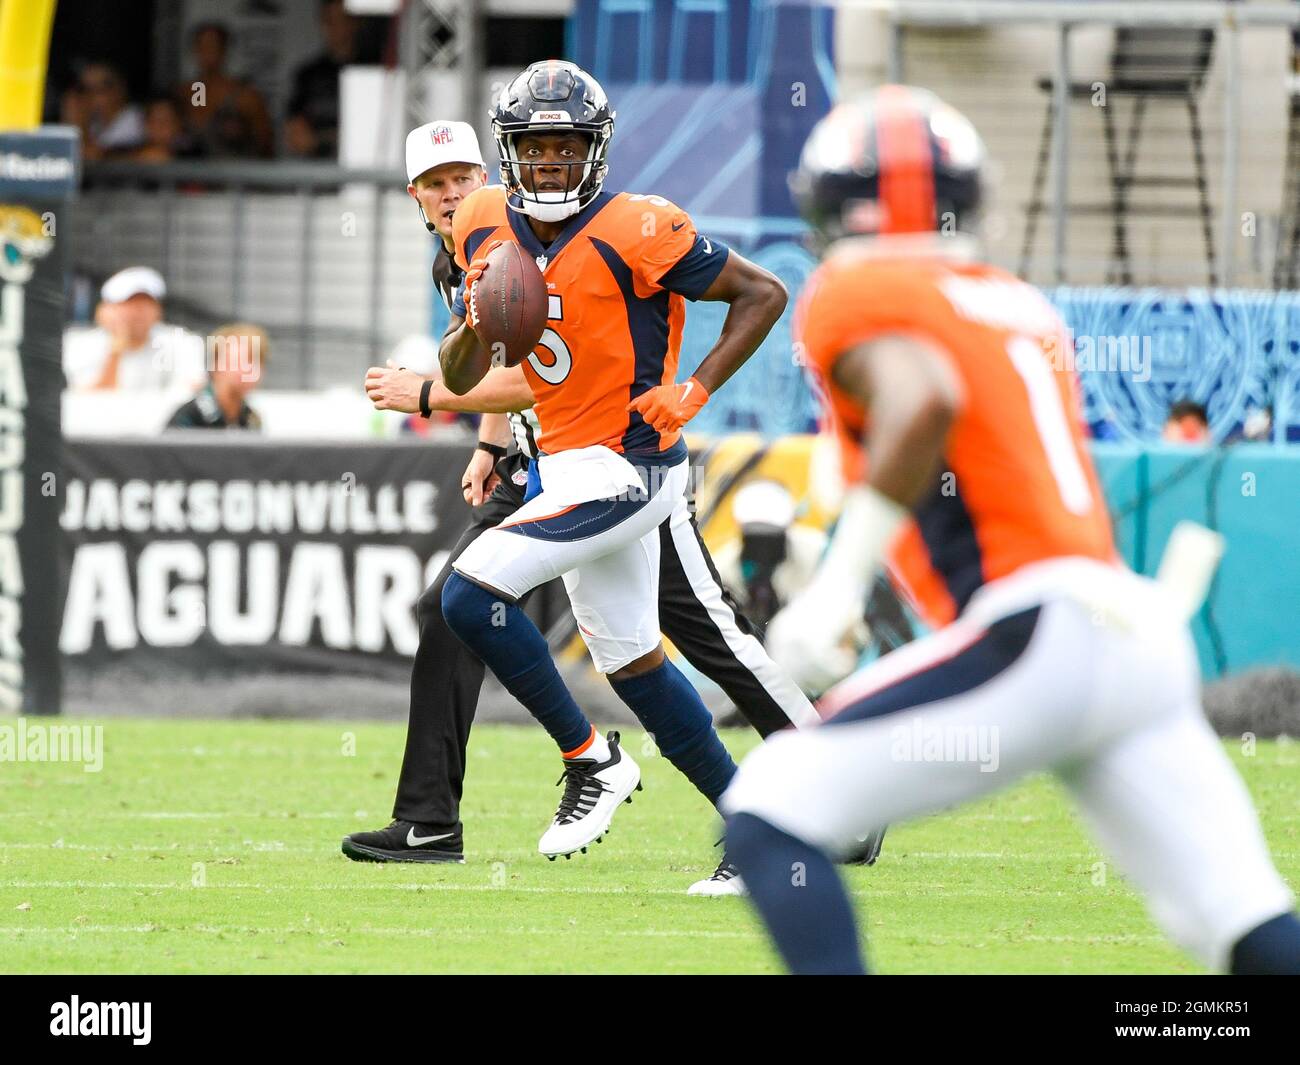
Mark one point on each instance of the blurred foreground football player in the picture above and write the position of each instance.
(966, 466)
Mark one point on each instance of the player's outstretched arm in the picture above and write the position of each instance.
(503, 389)
(757, 299)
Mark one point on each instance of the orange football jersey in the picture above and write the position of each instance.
(1017, 484)
(617, 277)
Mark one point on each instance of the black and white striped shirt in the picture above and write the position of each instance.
(446, 274)
(448, 277)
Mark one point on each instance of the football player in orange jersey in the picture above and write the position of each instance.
(612, 465)
(966, 467)
(444, 165)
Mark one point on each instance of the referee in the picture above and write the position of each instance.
(444, 165)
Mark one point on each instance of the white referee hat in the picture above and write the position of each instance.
(436, 143)
(133, 281)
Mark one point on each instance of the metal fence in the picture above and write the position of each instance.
(332, 262)
(1152, 142)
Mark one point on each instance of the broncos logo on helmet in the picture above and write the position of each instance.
(895, 160)
(553, 96)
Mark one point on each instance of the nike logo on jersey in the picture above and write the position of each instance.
(412, 840)
(677, 226)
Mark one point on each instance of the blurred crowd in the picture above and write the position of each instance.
(215, 114)
(131, 348)
(205, 381)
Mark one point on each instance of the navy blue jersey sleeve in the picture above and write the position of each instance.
(695, 271)
(458, 302)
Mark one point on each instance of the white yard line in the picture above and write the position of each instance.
(64, 885)
(273, 847)
(654, 933)
(912, 890)
(428, 933)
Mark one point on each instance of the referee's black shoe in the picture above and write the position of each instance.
(405, 841)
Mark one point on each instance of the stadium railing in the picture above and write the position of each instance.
(329, 260)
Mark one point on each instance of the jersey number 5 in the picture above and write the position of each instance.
(557, 370)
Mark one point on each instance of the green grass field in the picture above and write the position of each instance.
(214, 847)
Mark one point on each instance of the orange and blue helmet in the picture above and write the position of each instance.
(895, 160)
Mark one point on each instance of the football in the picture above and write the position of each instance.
(510, 304)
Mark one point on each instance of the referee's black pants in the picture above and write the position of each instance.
(695, 613)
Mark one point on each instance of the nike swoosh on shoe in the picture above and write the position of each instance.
(412, 840)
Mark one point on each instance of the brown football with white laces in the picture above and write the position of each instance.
(508, 304)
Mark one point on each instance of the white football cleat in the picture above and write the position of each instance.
(592, 792)
(724, 881)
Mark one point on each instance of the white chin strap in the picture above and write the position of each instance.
(549, 206)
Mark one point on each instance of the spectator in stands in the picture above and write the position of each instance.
(236, 355)
(1258, 425)
(164, 131)
(313, 126)
(226, 117)
(131, 348)
(1188, 423)
(99, 106)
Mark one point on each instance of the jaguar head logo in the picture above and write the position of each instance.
(23, 240)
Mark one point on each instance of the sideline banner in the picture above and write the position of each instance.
(38, 174)
(188, 556)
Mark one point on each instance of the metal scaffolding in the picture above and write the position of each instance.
(442, 35)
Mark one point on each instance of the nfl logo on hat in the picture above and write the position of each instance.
(438, 142)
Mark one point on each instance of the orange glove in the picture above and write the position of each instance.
(474, 272)
(669, 407)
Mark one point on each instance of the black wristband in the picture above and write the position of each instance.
(425, 410)
(495, 450)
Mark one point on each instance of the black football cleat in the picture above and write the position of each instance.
(867, 850)
(405, 841)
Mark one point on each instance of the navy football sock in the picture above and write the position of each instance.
(1272, 949)
(506, 639)
(673, 713)
(798, 893)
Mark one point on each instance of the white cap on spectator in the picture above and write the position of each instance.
(436, 143)
(133, 281)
